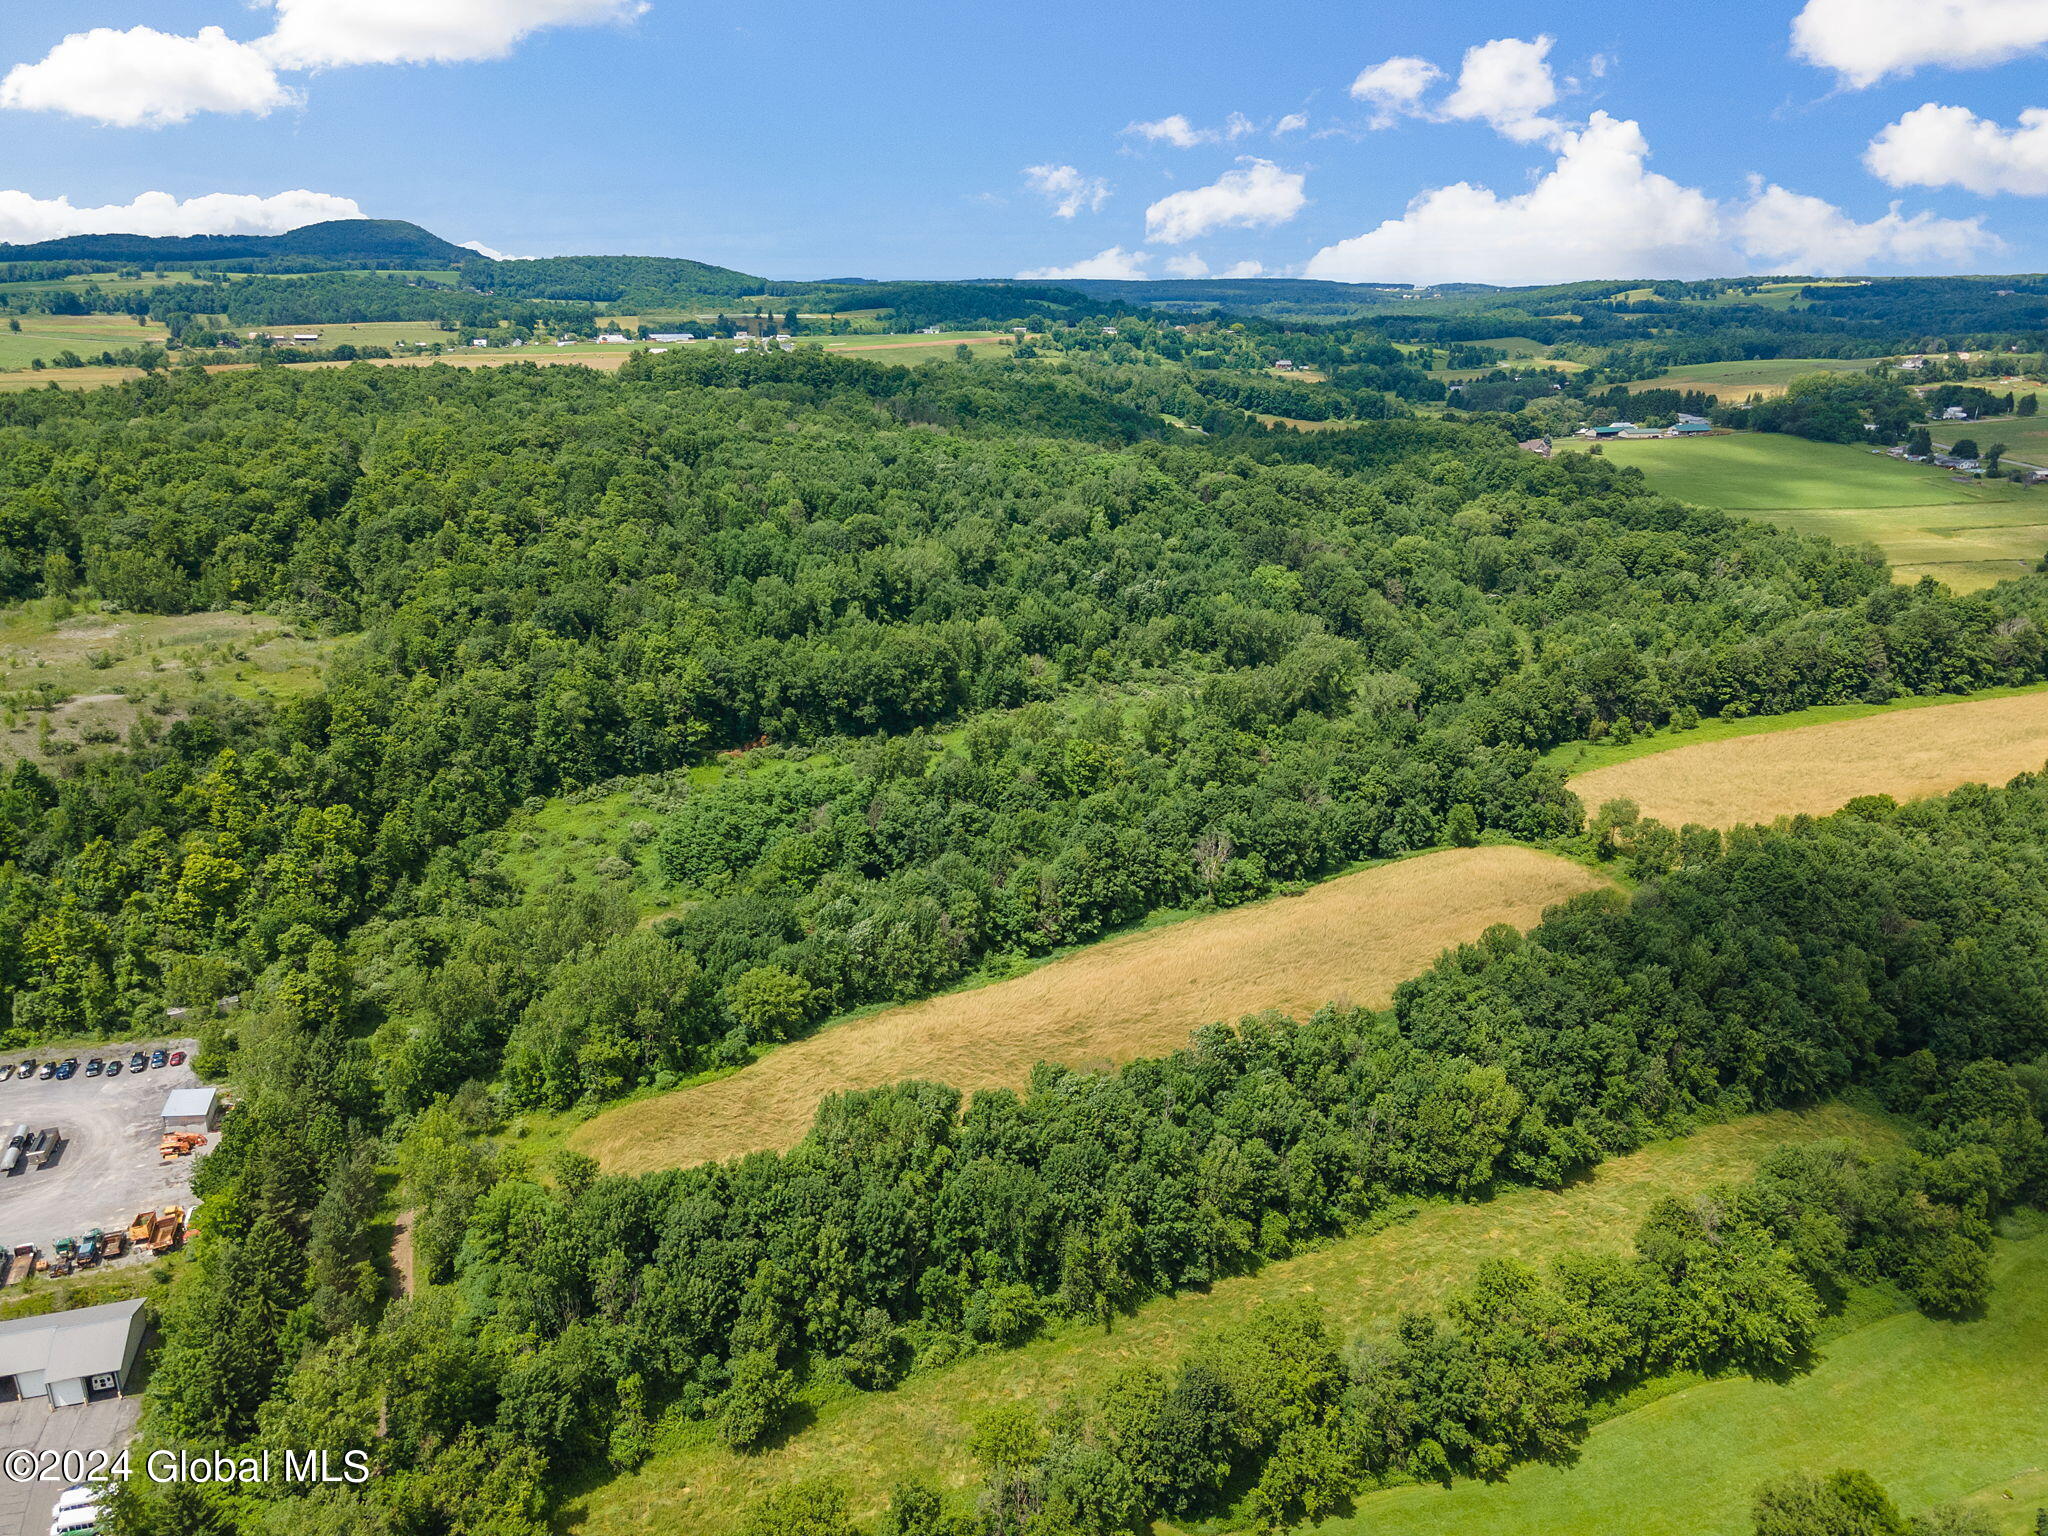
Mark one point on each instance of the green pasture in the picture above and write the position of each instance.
(1761, 376)
(45, 336)
(1939, 1412)
(1363, 1283)
(1926, 522)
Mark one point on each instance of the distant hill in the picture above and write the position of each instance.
(391, 242)
(631, 282)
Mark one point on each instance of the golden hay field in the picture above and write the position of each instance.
(1908, 754)
(1351, 938)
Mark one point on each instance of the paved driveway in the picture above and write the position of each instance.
(31, 1422)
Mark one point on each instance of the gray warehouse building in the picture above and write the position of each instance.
(71, 1357)
(192, 1109)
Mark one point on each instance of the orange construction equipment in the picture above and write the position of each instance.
(163, 1237)
(138, 1229)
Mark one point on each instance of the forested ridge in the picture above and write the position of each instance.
(1008, 660)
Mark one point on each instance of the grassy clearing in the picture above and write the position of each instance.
(1936, 1411)
(1815, 769)
(1355, 937)
(71, 680)
(601, 836)
(1968, 533)
(1364, 1282)
(1761, 376)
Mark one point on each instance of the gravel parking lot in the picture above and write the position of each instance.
(108, 1168)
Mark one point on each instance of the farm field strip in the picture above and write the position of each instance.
(1968, 533)
(1362, 1282)
(1815, 769)
(1352, 938)
(1936, 1411)
(1739, 380)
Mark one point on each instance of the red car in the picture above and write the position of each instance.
(177, 1058)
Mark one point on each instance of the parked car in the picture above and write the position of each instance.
(95, 1067)
(157, 1059)
(67, 1069)
(137, 1062)
(113, 1069)
(6, 1072)
(49, 1071)
(177, 1058)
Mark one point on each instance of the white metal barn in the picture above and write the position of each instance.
(71, 1357)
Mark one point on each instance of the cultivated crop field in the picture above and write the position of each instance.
(1938, 1412)
(1353, 938)
(1762, 376)
(1363, 1283)
(1967, 533)
(1905, 753)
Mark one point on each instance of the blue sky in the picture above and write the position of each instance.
(1474, 141)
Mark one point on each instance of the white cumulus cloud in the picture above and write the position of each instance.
(1258, 194)
(1600, 212)
(1243, 269)
(1936, 146)
(1293, 122)
(1507, 84)
(314, 33)
(1116, 262)
(25, 219)
(1864, 41)
(1395, 87)
(1791, 232)
(1190, 265)
(1067, 189)
(1177, 131)
(145, 78)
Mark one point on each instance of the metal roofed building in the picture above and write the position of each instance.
(192, 1108)
(71, 1357)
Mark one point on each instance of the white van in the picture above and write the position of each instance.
(76, 1521)
(77, 1494)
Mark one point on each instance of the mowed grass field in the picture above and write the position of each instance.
(45, 336)
(1967, 533)
(1762, 376)
(1939, 1412)
(1362, 1282)
(1352, 938)
(2025, 437)
(1814, 769)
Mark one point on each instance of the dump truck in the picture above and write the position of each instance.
(21, 1263)
(169, 1226)
(139, 1228)
(113, 1244)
